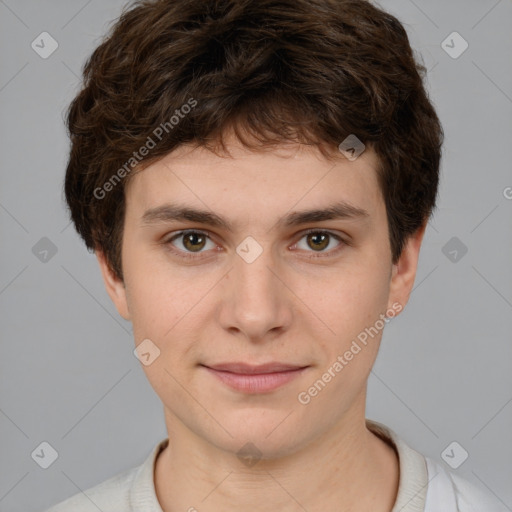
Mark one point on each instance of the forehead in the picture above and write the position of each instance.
(253, 185)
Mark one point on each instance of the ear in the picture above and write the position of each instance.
(114, 286)
(404, 271)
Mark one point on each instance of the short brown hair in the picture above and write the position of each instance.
(307, 71)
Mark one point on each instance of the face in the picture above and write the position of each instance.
(259, 286)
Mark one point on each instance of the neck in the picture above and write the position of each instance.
(348, 469)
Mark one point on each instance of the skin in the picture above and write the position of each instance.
(284, 306)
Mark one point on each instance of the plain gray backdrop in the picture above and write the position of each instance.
(68, 374)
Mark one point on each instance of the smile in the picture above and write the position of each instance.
(255, 379)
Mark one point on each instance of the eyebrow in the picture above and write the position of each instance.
(174, 212)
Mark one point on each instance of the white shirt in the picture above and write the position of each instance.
(424, 486)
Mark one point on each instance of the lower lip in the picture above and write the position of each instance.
(257, 383)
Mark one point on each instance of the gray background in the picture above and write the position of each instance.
(68, 373)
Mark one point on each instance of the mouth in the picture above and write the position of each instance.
(254, 379)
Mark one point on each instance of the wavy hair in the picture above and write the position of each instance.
(307, 71)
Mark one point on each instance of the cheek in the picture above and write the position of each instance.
(352, 310)
(151, 298)
(165, 304)
(161, 312)
(351, 301)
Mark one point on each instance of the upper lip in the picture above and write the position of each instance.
(249, 369)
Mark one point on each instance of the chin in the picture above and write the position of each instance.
(261, 431)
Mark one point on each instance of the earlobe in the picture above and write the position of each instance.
(114, 286)
(404, 271)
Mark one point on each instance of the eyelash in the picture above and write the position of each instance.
(192, 256)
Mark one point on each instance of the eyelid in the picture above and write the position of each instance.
(320, 230)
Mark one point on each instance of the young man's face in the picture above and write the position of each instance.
(260, 292)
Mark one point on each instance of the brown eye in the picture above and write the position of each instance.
(194, 241)
(318, 241)
(186, 243)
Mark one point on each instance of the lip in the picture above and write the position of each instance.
(249, 369)
(248, 378)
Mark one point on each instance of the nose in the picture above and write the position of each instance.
(255, 302)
